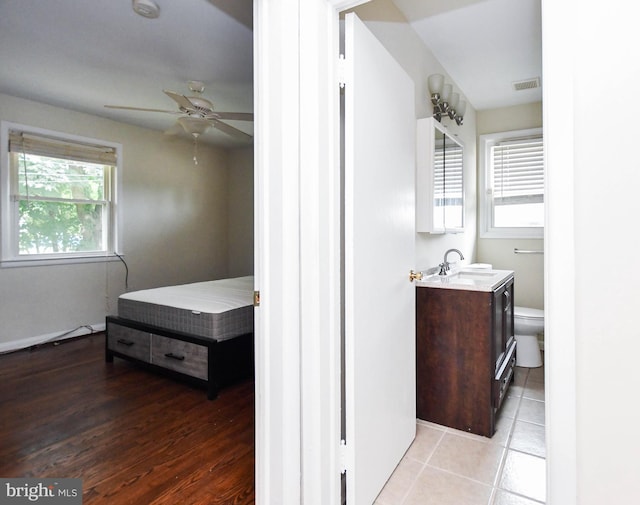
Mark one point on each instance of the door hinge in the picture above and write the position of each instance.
(256, 298)
(342, 457)
(341, 71)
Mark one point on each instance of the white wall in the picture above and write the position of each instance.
(529, 269)
(174, 227)
(606, 207)
(390, 26)
(592, 284)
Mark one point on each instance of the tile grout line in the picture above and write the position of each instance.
(424, 465)
(520, 495)
(516, 419)
(505, 445)
(509, 439)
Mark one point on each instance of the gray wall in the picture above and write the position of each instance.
(175, 227)
(240, 212)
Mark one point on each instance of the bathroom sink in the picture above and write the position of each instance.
(466, 274)
(474, 280)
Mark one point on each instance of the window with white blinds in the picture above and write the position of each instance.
(58, 200)
(512, 174)
(518, 171)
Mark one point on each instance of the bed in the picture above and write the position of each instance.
(201, 332)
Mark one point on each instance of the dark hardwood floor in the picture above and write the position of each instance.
(134, 437)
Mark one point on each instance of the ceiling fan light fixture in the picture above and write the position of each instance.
(196, 86)
(146, 8)
(194, 125)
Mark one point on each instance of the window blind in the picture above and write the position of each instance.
(518, 171)
(29, 143)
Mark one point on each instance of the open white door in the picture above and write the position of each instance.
(379, 253)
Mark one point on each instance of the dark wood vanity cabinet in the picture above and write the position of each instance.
(465, 355)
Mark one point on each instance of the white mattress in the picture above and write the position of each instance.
(220, 310)
(212, 297)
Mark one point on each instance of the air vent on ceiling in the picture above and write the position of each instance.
(527, 84)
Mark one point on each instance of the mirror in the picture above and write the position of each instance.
(439, 179)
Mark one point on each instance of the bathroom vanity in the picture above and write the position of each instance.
(465, 348)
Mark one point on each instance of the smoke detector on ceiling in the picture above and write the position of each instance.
(146, 8)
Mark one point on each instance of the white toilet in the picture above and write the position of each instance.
(528, 323)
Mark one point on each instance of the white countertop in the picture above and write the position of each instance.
(467, 279)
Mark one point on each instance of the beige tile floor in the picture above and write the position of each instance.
(444, 466)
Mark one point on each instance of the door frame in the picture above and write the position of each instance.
(297, 257)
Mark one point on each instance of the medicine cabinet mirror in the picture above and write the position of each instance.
(439, 179)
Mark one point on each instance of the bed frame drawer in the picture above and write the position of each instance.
(184, 357)
(195, 359)
(129, 341)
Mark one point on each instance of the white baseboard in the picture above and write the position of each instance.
(16, 345)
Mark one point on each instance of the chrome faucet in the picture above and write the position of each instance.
(444, 266)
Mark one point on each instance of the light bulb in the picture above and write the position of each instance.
(446, 91)
(461, 108)
(435, 83)
(453, 101)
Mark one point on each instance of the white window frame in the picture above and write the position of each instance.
(9, 256)
(487, 230)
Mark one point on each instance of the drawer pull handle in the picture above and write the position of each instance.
(174, 356)
(128, 343)
(507, 301)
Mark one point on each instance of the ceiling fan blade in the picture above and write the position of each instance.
(230, 130)
(183, 102)
(122, 107)
(236, 116)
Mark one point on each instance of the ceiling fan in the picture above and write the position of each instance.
(197, 114)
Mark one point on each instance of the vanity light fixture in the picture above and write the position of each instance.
(445, 103)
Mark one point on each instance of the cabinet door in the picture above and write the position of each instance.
(502, 321)
(450, 157)
(509, 337)
(429, 178)
(498, 331)
(439, 179)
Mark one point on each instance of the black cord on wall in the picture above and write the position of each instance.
(126, 275)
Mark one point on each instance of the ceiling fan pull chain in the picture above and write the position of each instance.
(195, 150)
